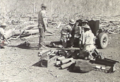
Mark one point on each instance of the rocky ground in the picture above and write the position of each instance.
(22, 65)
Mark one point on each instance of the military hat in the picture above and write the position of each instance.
(43, 5)
(86, 26)
(72, 21)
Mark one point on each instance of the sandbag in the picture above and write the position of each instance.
(81, 67)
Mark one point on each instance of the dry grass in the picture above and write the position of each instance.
(62, 9)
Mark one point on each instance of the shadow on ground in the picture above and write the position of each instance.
(41, 63)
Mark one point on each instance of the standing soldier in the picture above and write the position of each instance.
(42, 25)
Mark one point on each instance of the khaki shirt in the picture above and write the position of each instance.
(42, 15)
(88, 38)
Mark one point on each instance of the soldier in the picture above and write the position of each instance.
(88, 43)
(88, 39)
(42, 25)
(67, 33)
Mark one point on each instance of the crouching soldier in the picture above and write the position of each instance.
(67, 34)
(88, 41)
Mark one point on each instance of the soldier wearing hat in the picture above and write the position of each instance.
(87, 39)
(42, 24)
(68, 32)
(85, 24)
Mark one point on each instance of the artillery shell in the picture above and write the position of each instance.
(67, 65)
(60, 58)
(66, 60)
(58, 63)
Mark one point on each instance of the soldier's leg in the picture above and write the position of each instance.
(72, 41)
(98, 54)
(89, 49)
(41, 37)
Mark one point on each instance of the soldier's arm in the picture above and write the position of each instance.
(39, 18)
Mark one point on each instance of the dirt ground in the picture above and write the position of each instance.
(21, 65)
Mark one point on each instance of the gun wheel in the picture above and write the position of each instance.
(103, 40)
